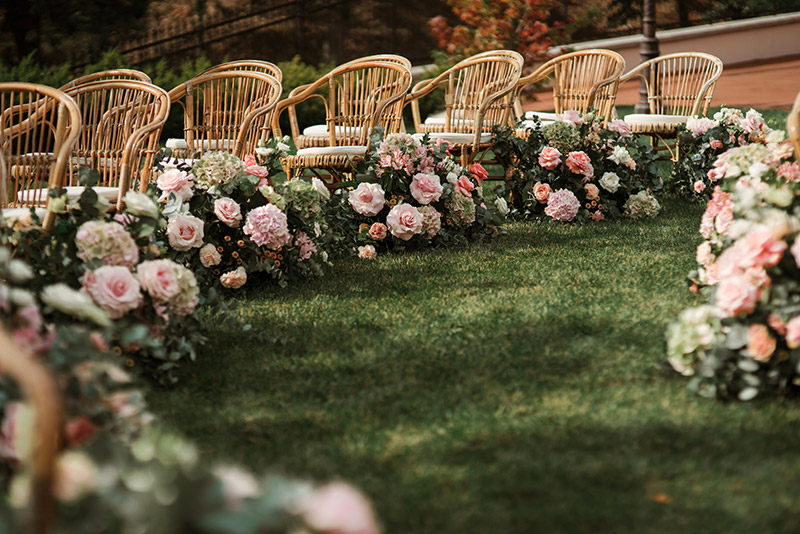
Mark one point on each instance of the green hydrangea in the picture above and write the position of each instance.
(303, 199)
(216, 168)
(562, 135)
(462, 210)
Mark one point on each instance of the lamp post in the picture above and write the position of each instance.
(649, 48)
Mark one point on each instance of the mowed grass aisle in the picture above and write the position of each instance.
(507, 387)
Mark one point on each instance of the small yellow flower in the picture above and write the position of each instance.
(239, 261)
(588, 205)
(130, 363)
(227, 238)
(599, 206)
(235, 255)
(276, 263)
(220, 249)
(594, 203)
(240, 243)
(280, 257)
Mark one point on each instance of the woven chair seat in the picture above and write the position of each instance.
(207, 144)
(318, 136)
(655, 123)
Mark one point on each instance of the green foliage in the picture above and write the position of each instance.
(295, 74)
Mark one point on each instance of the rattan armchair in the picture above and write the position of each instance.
(679, 86)
(121, 125)
(252, 65)
(41, 392)
(391, 119)
(106, 75)
(581, 80)
(39, 126)
(226, 110)
(479, 94)
(793, 126)
(358, 96)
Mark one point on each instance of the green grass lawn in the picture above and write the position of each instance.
(508, 387)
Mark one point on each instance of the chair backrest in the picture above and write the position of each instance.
(121, 125)
(41, 392)
(227, 110)
(479, 89)
(254, 65)
(359, 94)
(793, 127)
(680, 84)
(105, 75)
(39, 126)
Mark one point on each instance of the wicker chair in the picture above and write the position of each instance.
(317, 135)
(479, 94)
(40, 390)
(226, 110)
(121, 126)
(252, 65)
(581, 80)
(679, 86)
(106, 75)
(793, 126)
(358, 96)
(39, 126)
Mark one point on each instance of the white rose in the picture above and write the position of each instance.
(319, 187)
(452, 177)
(610, 182)
(502, 206)
(74, 476)
(620, 155)
(19, 271)
(140, 205)
(72, 302)
(21, 297)
(282, 147)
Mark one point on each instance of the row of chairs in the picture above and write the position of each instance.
(111, 121)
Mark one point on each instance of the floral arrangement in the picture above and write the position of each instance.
(702, 140)
(574, 169)
(106, 272)
(413, 195)
(228, 222)
(745, 341)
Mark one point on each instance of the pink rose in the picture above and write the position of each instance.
(338, 508)
(234, 279)
(761, 249)
(228, 211)
(592, 191)
(724, 220)
(113, 288)
(185, 232)
(464, 186)
(736, 295)
(789, 170)
(541, 192)
(619, 126)
(209, 255)
(249, 159)
(478, 172)
(716, 144)
(793, 332)
(367, 252)
(712, 274)
(425, 188)
(699, 186)
(158, 279)
(571, 115)
(377, 231)
(367, 199)
(716, 174)
(597, 216)
(760, 345)
(579, 163)
(752, 122)
(549, 158)
(404, 221)
(175, 181)
(776, 323)
(704, 255)
(700, 126)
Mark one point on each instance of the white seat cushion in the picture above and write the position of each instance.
(333, 151)
(532, 124)
(16, 213)
(321, 130)
(456, 138)
(208, 144)
(543, 116)
(73, 192)
(644, 119)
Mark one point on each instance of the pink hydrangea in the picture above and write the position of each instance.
(562, 205)
(114, 289)
(106, 241)
(549, 158)
(425, 188)
(700, 125)
(268, 227)
(789, 170)
(579, 163)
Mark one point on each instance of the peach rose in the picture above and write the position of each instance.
(367, 252)
(176, 181)
(113, 288)
(712, 274)
(404, 221)
(425, 188)
(760, 345)
(234, 279)
(228, 211)
(793, 332)
(464, 186)
(367, 199)
(185, 232)
(579, 163)
(209, 255)
(592, 191)
(736, 295)
(549, 158)
(597, 216)
(377, 231)
(542, 192)
(158, 279)
(716, 144)
(704, 255)
(761, 249)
